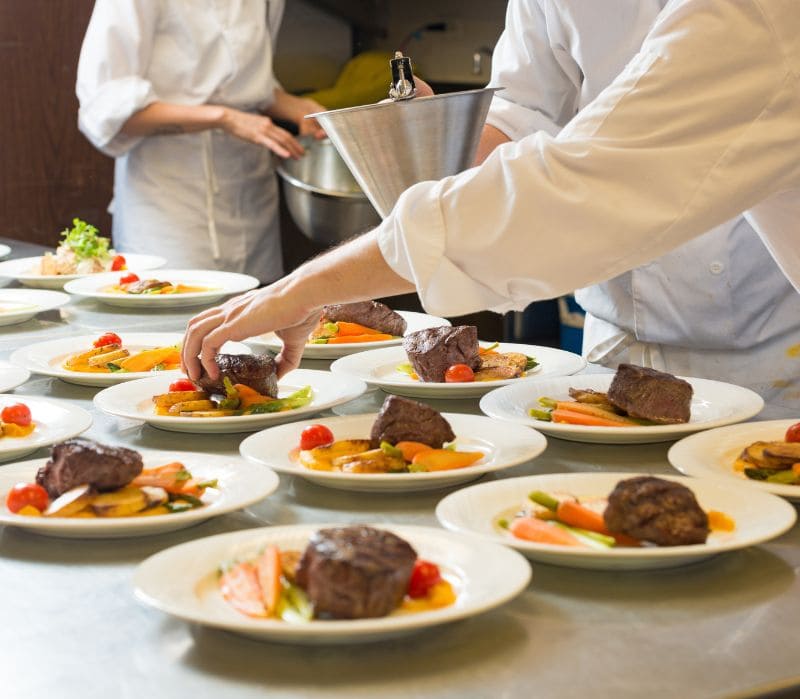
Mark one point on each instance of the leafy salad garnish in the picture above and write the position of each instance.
(85, 241)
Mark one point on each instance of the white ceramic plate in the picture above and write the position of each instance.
(416, 321)
(503, 444)
(711, 454)
(714, 403)
(21, 270)
(240, 484)
(182, 581)
(19, 305)
(55, 422)
(11, 377)
(5, 251)
(474, 510)
(47, 358)
(379, 368)
(133, 400)
(219, 284)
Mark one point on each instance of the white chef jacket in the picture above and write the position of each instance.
(687, 137)
(202, 200)
(695, 309)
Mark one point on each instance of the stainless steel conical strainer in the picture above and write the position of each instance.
(393, 144)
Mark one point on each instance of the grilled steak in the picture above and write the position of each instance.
(657, 510)
(405, 420)
(371, 314)
(257, 372)
(355, 572)
(650, 394)
(78, 461)
(143, 286)
(432, 351)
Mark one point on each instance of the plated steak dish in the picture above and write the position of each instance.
(86, 479)
(406, 437)
(639, 511)
(452, 355)
(637, 396)
(363, 321)
(356, 572)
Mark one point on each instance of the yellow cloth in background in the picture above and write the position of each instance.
(364, 79)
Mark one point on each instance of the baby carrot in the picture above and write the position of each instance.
(341, 339)
(541, 532)
(573, 418)
(355, 329)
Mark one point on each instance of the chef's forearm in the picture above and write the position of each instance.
(491, 137)
(165, 118)
(288, 107)
(355, 271)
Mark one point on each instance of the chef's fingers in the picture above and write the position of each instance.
(196, 332)
(286, 140)
(289, 357)
(274, 146)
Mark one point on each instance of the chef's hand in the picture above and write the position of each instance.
(254, 313)
(310, 127)
(261, 130)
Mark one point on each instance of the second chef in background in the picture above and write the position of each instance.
(182, 95)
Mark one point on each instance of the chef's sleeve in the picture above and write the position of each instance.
(111, 86)
(540, 82)
(685, 138)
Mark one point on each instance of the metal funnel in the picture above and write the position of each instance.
(391, 145)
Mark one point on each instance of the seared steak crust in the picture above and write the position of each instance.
(656, 510)
(78, 461)
(432, 351)
(355, 572)
(403, 419)
(372, 314)
(650, 394)
(256, 371)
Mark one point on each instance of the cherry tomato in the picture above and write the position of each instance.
(793, 433)
(118, 263)
(182, 385)
(129, 278)
(23, 494)
(459, 373)
(423, 577)
(19, 414)
(315, 436)
(108, 339)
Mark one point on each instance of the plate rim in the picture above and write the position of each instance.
(82, 415)
(337, 628)
(620, 554)
(149, 259)
(147, 525)
(538, 446)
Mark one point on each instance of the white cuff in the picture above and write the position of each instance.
(517, 121)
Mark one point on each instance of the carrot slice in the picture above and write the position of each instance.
(268, 569)
(541, 532)
(249, 396)
(411, 449)
(573, 418)
(341, 339)
(445, 460)
(240, 588)
(594, 410)
(355, 329)
(577, 515)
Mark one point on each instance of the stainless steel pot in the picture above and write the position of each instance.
(323, 197)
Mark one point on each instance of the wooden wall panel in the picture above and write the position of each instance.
(49, 172)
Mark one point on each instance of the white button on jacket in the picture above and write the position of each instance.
(687, 137)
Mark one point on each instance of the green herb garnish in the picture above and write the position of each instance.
(85, 241)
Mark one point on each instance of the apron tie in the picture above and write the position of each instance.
(211, 190)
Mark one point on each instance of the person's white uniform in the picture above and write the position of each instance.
(696, 310)
(202, 200)
(685, 138)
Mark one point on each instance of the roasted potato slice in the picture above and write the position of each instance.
(514, 360)
(119, 503)
(788, 452)
(165, 400)
(497, 373)
(371, 461)
(188, 406)
(84, 357)
(107, 357)
(757, 454)
(320, 458)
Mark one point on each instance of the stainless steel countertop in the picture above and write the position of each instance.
(71, 628)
